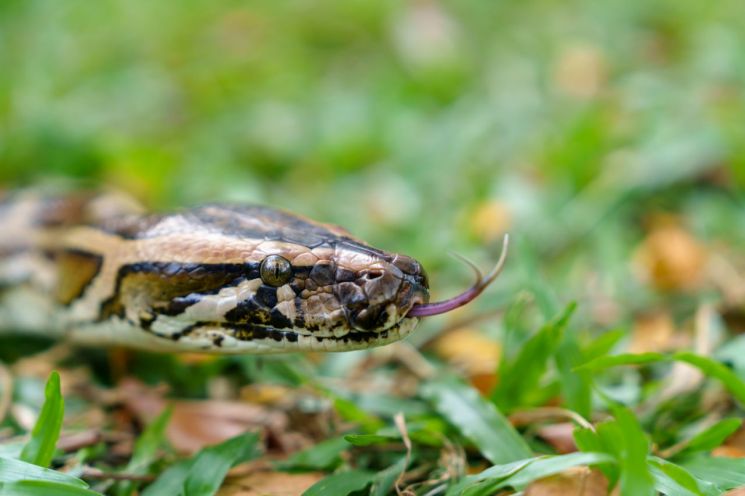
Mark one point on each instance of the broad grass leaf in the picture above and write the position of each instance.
(518, 475)
(145, 450)
(203, 474)
(674, 480)
(341, 483)
(522, 375)
(726, 473)
(713, 437)
(44, 488)
(716, 370)
(606, 362)
(477, 419)
(17, 470)
(325, 455)
(40, 448)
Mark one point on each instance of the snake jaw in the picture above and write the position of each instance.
(482, 282)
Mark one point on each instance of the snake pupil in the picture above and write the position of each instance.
(275, 270)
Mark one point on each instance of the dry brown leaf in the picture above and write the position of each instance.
(652, 332)
(269, 483)
(740, 491)
(559, 436)
(580, 71)
(670, 258)
(490, 221)
(196, 424)
(579, 481)
(474, 353)
(728, 452)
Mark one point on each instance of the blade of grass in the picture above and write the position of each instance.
(43, 488)
(712, 437)
(145, 450)
(203, 474)
(523, 375)
(518, 475)
(40, 448)
(341, 483)
(716, 370)
(726, 473)
(477, 419)
(674, 480)
(17, 470)
(325, 455)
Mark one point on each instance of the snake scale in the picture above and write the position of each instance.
(98, 270)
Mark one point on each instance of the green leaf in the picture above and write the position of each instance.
(369, 439)
(17, 470)
(712, 437)
(325, 455)
(203, 474)
(341, 483)
(145, 450)
(522, 376)
(605, 362)
(477, 419)
(674, 480)
(385, 479)
(212, 464)
(708, 366)
(519, 474)
(43, 488)
(726, 473)
(636, 478)
(40, 448)
(575, 384)
(716, 370)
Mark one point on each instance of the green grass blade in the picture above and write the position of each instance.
(43, 488)
(203, 474)
(477, 419)
(726, 473)
(341, 483)
(325, 455)
(606, 362)
(518, 475)
(636, 478)
(145, 450)
(674, 480)
(712, 437)
(716, 370)
(523, 375)
(212, 464)
(17, 470)
(40, 448)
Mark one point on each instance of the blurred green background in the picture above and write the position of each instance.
(421, 126)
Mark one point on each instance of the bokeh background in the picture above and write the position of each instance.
(607, 137)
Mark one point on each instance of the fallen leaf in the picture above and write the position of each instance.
(578, 481)
(559, 436)
(580, 71)
(670, 258)
(269, 483)
(474, 353)
(490, 221)
(196, 424)
(652, 332)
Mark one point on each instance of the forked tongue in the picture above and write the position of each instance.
(482, 282)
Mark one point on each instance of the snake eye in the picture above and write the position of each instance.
(275, 270)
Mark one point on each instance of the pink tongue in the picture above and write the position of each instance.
(470, 294)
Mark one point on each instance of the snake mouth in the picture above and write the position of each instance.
(234, 338)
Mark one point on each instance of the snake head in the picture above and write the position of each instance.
(377, 290)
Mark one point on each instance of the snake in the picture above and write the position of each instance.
(97, 269)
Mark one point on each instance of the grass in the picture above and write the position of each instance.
(607, 138)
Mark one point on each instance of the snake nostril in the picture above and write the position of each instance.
(371, 275)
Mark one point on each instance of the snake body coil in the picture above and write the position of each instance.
(217, 278)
